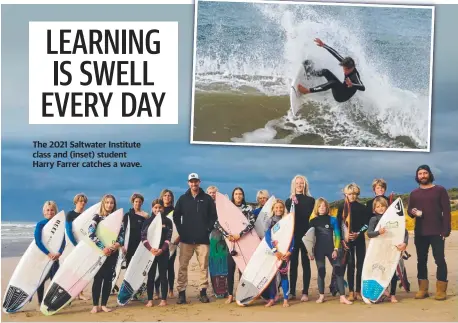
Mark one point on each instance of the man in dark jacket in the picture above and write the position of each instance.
(194, 217)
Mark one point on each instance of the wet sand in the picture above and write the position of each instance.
(408, 309)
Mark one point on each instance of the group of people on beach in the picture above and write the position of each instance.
(195, 217)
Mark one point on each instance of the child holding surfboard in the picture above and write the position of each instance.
(380, 205)
(353, 218)
(327, 245)
(161, 255)
(278, 210)
(49, 211)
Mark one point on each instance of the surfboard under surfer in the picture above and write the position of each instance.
(342, 91)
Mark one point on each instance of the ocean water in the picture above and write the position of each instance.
(16, 237)
(253, 50)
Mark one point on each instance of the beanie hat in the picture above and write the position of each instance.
(424, 167)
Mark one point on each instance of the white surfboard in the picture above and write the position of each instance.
(382, 256)
(263, 220)
(294, 94)
(263, 264)
(79, 228)
(172, 247)
(121, 256)
(309, 240)
(34, 265)
(137, 272)
(81, 265)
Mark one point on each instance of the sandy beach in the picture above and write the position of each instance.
(408, 309)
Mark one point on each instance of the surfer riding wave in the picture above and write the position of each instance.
(341, 91)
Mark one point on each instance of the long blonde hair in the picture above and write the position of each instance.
(306, 185)
(102, 211)
(317, 206)
(261, 193)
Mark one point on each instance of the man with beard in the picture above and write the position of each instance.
(430, 206)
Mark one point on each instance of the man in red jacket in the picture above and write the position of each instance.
(430, 206)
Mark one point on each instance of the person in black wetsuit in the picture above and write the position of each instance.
(342, 91)
(168, 199)
(303, 206)
(135, 217)
(80, 201)
(238, 198)
(327, 245)
(104, 277)
(353, 240)
(161, 258)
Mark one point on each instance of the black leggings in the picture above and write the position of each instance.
(422, 244)
(160, 262)
(231, 266)
(394, 281)
(299, 247)
(339, 91)
(103, 280)
(170, 274)
(357, 248)
(50, 275)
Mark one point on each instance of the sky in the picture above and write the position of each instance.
(166, 155)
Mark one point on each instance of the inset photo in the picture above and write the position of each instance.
(322, 75)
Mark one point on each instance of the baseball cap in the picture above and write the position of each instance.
(193, 176)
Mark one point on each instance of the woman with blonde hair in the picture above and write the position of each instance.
(303, 207)
(103, 278)
(261, 197)
(49, 211)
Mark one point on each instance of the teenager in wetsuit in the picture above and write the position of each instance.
(168, 199)
(379, 188)
(379, 207)
(161, 259)
(238, 198)
(104, 277)
(354, 243)
(49, 211)
(80, 201)
(261, 197)
(327, 245)
(278, 210)
(303, 206)
(342, 91)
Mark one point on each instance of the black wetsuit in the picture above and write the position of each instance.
(327, 233)
(136, 222)
(340, 90)
(303, 210)
(171, 264)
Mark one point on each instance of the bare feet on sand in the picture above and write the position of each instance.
(344, 300)
(230, 299)
(81, 297)
(163, 303)
(393, 299)
(171, 294)
(320, 299)
(270, 303)
(304, 298)
(285, 303)
(149, 304)
(106, 309)
(95, 309)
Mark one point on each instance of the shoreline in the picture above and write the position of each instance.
(408, 309)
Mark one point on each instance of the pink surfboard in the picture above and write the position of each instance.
(233, 221)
